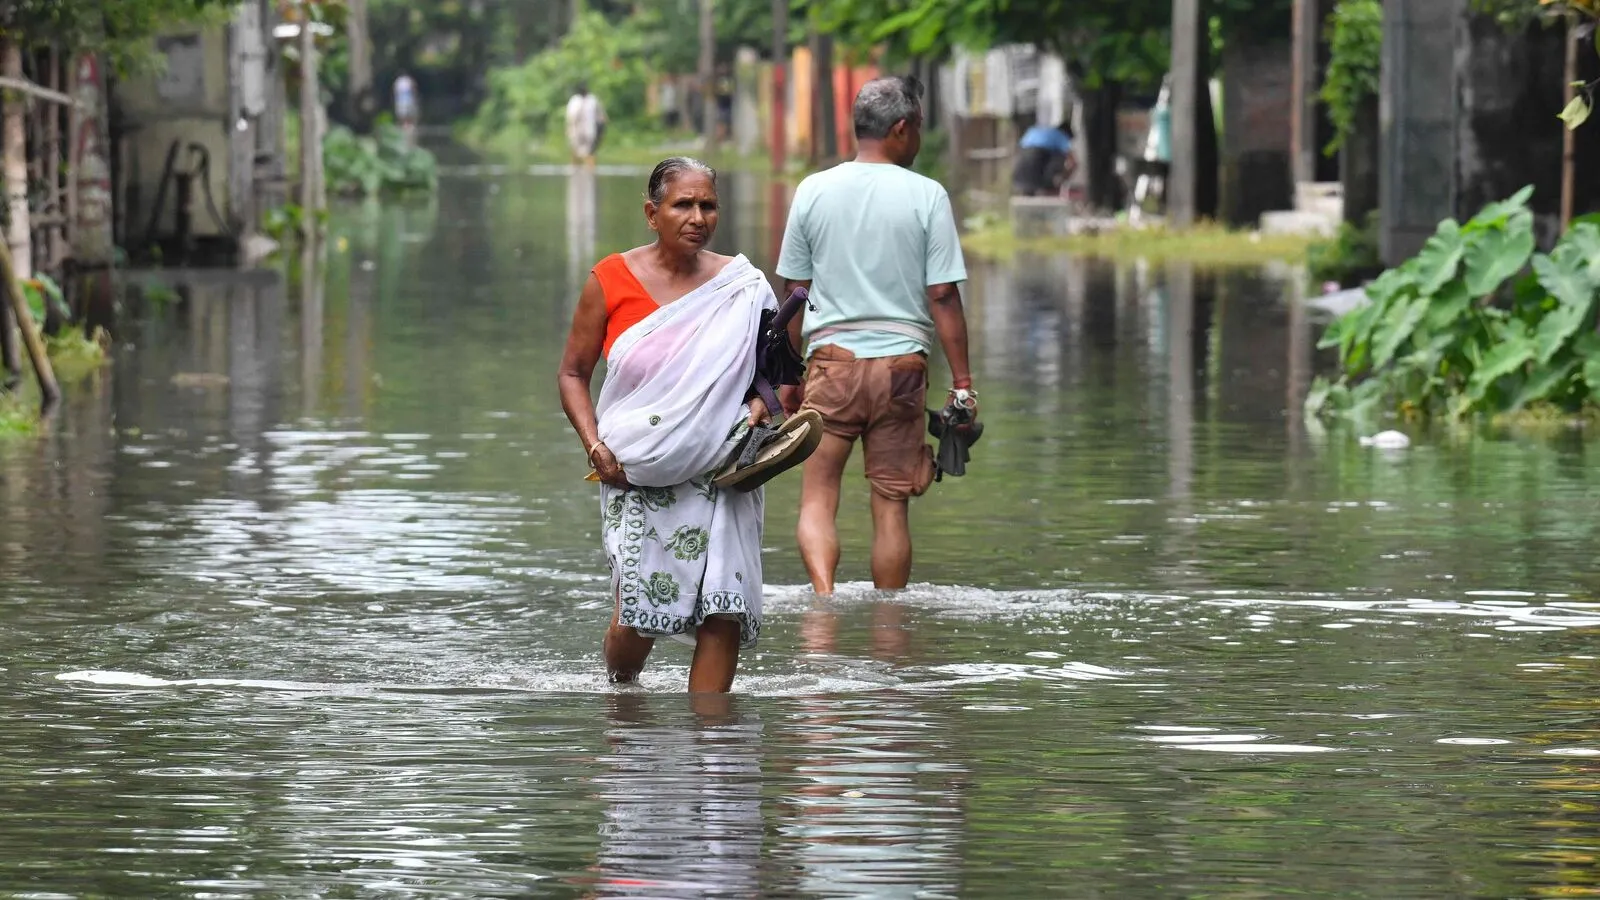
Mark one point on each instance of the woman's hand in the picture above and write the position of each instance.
(759, 414)
(607, 467)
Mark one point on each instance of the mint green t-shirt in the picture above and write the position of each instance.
(871, 238)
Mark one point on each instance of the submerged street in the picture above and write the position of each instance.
(303, 597)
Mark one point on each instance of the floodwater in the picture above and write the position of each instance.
(302, 599)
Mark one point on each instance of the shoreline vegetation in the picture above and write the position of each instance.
(1208, 244)
(1479, 326)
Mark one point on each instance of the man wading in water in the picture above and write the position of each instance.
(877, 246)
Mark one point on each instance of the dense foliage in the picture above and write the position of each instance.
(528, 101)
(1461, 329)
(123, 29)
(1349, 256)
(383, 163)
(1355, 44)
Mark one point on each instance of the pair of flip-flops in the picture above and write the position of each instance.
(767, 451)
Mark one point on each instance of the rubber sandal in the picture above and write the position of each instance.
(768, 452)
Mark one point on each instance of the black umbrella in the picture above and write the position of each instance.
(957, 432)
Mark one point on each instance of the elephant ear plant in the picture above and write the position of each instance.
(1467, 327)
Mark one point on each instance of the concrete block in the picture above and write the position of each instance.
(1040, 217)
(1296, 222)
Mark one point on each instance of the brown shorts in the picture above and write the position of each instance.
(881, 401)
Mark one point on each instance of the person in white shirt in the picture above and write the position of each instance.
(585, 119)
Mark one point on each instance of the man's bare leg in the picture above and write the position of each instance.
(891, 543)
(716, 656)
(818, 533)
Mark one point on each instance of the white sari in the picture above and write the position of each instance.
(672, 411)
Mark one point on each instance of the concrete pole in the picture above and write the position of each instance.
(1187, 82)
(310, 129)
(780, 83)
(1304, 86)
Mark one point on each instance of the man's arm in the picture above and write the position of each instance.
(950, 323)
(945, 271)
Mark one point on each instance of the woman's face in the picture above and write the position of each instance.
(686, 217)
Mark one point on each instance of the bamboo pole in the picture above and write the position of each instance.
(48, 388)
(18, 83)
(19, 235)
(1569, 141)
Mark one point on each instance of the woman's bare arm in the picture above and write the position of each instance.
(584, 343)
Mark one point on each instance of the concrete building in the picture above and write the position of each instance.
(1468, 116)
(198, 144)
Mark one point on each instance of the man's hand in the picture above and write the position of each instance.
(791, 396)
(967, 399)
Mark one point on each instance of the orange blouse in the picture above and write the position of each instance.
(627, 302)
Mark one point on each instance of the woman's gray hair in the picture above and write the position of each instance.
(885, 101)
(668, 170)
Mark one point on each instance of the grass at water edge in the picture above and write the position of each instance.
(1205, 243)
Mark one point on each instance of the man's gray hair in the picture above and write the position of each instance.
(885, 101)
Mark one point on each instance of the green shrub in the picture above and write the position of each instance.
(1355, 48)
(386, 162)
(1351, 254)
(1462, 329)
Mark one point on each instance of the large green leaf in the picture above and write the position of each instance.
(1317, 397)
(1495, 254)
(1355, 341)
(1584, 239)
(1556, 328)
(1440, 257)
(1395, 328)
(1447, 308)
(1566, 276)
(1500, 213)
(1591, 375)
(1545, 382)
(1504, 358)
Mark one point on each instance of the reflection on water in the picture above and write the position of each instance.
(302, 597)
(683, 800)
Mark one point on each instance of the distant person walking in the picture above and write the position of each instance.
(1044, 161)
(585, 121)
(406, 107)
(877, 245)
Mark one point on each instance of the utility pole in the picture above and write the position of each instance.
(708, 62)
(1187, 82)
(360, 96)
(824, 140)
(311, 196)
(780, 83)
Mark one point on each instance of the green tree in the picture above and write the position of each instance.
(124, 29)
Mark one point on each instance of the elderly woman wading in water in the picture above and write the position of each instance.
(677, 325)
